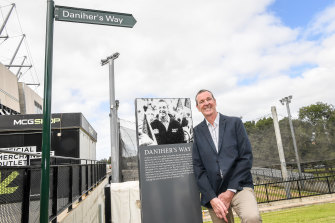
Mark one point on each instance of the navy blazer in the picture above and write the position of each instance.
(229, 168)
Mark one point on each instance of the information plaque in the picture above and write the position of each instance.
(164, 137)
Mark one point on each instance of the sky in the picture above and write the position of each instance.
(250, 54)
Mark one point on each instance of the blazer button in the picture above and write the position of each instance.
(217, 161)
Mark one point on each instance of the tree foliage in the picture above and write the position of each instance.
(314, 133)
(261, 124)
(316, 113)
(264, 123)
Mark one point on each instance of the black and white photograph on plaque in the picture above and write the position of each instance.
(164, 121)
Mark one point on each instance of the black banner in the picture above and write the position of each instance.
(12, 123)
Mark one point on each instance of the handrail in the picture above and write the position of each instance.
(69, 183)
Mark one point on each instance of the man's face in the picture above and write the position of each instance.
(206, 104)
(162, 109)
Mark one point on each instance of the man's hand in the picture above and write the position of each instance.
(226, 197)
(219, 208)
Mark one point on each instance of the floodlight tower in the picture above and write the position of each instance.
(113, 119)
(287, 101)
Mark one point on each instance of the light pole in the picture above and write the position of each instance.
(281, 152)
(287, 101)
(113, 119)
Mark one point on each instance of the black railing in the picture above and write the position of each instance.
(20, 188)
(290, 189)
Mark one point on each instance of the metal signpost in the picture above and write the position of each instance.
(68, 14)
(46, 132)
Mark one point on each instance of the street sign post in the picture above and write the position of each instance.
(79, 15)
(68, 14)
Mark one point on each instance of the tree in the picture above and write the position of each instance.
(321, 119)
(264, 123)
(104, 160)
(314, 131)
(316, 113)
(262, 136)
(250, 126)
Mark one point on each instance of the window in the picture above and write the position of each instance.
(38, 108)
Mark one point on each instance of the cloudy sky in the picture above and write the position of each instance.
(250, 53)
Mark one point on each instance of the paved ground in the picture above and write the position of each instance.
(285, 204)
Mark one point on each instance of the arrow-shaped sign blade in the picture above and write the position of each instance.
(70, 14)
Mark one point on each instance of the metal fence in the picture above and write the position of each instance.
(273, 173)
(20, 189)
(290, 189)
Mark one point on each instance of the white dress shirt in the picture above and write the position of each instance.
(214, 131)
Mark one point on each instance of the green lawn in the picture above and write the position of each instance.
(314, 213)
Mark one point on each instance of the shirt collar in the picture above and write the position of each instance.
(216, 121)
(167, 119)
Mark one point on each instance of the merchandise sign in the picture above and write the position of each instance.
(70, 14)
(9, 159)
(167, 184)
(52, 153)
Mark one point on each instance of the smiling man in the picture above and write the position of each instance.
(166, 129)
(222, 160)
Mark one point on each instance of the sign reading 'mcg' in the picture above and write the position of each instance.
(36, 121)
(70, 14)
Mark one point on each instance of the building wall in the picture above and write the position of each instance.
(30, 101)
(87, 146)
(9, 93)
(92, 209)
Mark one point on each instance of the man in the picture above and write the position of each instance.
(166, 129)
(222, 160)
(145, 134)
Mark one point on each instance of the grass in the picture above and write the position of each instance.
(321, 172)
(311, 214)
(324, 170)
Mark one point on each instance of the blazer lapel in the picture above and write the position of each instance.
(222, 125)
(207, 134)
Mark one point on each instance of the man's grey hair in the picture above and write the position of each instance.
(201, 91)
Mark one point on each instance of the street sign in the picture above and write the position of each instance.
(70, 14)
